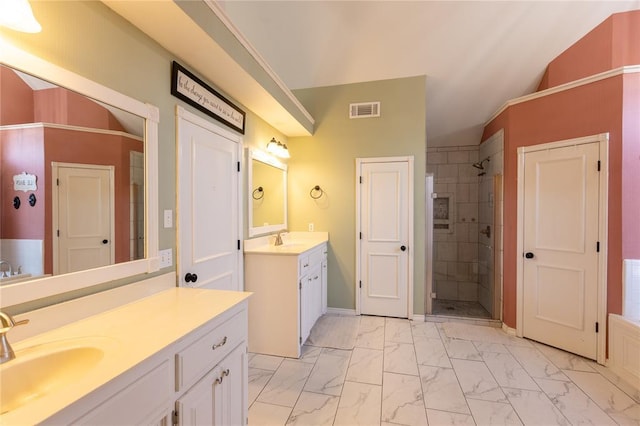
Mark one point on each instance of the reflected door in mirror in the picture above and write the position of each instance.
(42, 124)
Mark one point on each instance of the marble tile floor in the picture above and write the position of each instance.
(403, 372)
(459, 308)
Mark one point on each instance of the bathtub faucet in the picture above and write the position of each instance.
(4, 273)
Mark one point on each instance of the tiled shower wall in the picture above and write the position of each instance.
(455, 260)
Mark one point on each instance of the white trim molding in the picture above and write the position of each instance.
(342, 311)
(630, 69)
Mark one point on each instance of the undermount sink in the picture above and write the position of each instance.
(40, 370)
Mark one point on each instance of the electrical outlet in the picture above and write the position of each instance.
(168, 218)
(166, 258)
(311, 227)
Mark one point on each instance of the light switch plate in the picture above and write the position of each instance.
(166, 258)
(168, 218)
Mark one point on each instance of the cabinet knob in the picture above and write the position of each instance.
(403, 248)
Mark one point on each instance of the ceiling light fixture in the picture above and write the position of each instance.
(17, 15)
(278, 149)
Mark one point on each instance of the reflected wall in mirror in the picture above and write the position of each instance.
(87, 159)
(88, 126)
(267, 179)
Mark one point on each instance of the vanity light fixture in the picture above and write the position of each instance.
(278, 149)
(17, 15)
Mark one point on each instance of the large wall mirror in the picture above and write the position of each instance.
(78, 181)
(267, 179)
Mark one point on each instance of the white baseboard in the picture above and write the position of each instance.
(341, 311)
(419, 317)
(510, 331)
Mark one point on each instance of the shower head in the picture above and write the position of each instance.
(480, 165)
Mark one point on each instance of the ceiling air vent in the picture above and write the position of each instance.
(365, 109)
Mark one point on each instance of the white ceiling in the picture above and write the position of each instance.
(476, 54)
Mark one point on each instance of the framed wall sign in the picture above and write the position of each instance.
(195, 92)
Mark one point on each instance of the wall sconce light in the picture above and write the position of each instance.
(17, 15)
(278, 149)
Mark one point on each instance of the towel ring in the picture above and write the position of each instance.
(260, 192)
(318, 190)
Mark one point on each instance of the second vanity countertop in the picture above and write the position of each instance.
(294, 243)
(127, 335)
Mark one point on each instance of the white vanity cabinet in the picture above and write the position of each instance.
(217, 364)
(289, 295)
(219, 398)
(198, 374)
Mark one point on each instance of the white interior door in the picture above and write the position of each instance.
(385, 218)
(209, 220)
(83, 228)
(560, 284)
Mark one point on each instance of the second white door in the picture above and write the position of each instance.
(560, 293)
(384, 236)
(208, 192)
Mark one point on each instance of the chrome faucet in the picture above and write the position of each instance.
(278, 241)
(4, 273)
(7, 323)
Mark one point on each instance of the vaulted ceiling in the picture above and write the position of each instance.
(476, 54)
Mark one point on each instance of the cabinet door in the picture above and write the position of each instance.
(220, 398)
(325, 271)
(306, 321)
(315, 280)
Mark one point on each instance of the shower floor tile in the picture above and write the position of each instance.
(459, 308)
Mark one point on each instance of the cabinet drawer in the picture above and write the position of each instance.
(303, 267)
(144, 398)
(198, 358)
(316, 256)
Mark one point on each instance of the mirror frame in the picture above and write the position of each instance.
(254, 154)
(25, 291)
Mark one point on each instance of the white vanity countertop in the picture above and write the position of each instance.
(294, 243)
(128, 335)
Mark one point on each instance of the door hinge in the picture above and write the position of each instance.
(360, 179)
(238, 244)
(300, 340)
(174, 417)
(300, 284)
(58, 233)
(598, 247)
(238, 166)
(360, 284)
(57, 182)
(360, 235)
(598, 165)
(597, 327)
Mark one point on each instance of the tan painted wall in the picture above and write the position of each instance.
(328, 159)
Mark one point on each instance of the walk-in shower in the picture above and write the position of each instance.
(466, 213)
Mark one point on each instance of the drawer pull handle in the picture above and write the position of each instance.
(217, 345)
(224, 374)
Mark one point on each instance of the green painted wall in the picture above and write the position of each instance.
(328, 159)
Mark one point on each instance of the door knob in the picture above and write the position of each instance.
(403, 248)
(190, 278)
(528, 255)
(105, 241)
